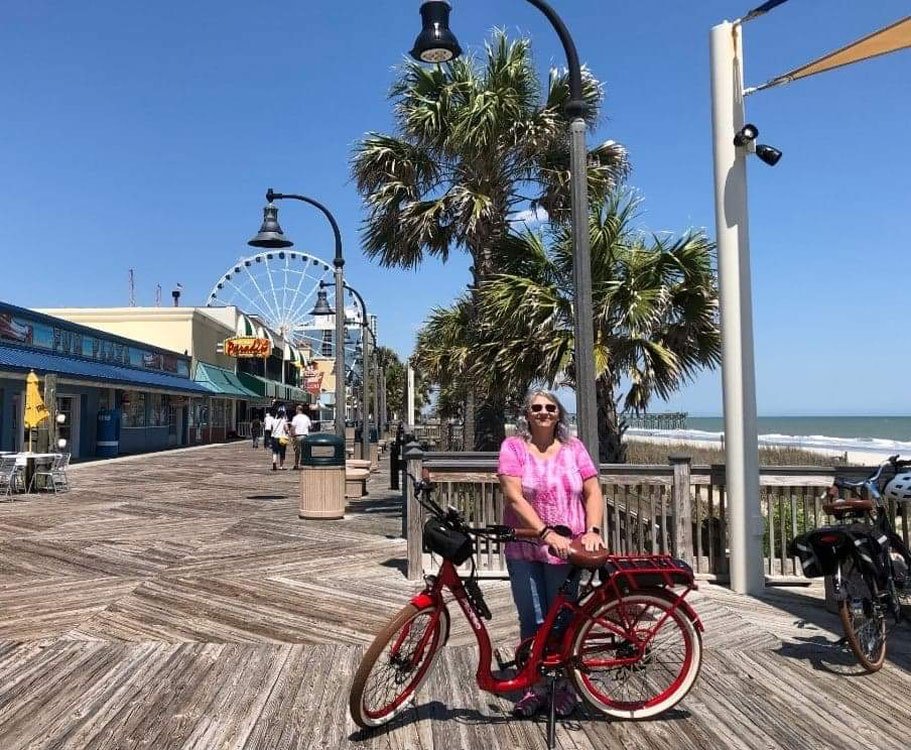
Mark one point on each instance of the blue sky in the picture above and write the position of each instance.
(144, 136)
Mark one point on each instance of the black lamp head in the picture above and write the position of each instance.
(746, 135)
(322, 304)
(768, 154)
(270, 233)
(436, 43)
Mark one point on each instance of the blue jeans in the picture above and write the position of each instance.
(534, 588)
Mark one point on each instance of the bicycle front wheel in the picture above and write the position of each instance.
(863, 621)
(396, 664)
(611, 674)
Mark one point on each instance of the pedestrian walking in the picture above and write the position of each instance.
(280, 439)
(256, 430)
(300, 428)
(268, 424)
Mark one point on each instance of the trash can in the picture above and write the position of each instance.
(322, 477)
(107, 433)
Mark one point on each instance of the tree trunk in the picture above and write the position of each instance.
(490, 428)
(468, 421)
(611, 449)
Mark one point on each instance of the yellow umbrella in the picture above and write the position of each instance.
(35, 410)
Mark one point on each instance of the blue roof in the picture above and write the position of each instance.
(21, 358)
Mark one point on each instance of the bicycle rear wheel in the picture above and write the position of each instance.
(659, 678)
(395, 665)
(863, 621)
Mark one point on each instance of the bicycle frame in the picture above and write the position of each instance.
(544, 652)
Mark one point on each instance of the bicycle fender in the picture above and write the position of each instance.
(425, 601)
(691, 613)
(681, 603)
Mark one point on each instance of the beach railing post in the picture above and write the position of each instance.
(414, 513)
(682, 503)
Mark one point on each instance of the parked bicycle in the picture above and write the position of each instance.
(867, 560)
(629, 641)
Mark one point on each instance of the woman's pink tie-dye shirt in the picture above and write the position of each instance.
(553, 486)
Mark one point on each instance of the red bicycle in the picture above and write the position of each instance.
(631, 645)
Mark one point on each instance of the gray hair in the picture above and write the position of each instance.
(522, 429)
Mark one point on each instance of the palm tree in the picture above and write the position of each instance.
(474, 143)
(655, 305)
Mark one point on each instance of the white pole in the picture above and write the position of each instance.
(410, 408)
(738, 369)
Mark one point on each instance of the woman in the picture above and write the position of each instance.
(548, 479)
(280, 439)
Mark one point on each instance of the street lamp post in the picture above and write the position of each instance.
(365, 328)
(437, 44)
(271, 236)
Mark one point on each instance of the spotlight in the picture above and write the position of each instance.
(746, 134)
(768, 154)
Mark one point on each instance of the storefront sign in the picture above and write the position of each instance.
(247, 346)
(312, 380)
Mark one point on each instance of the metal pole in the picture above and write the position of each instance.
(339, 351)
(409, 409)
(377, 419)
(738, 370)
(586, 399)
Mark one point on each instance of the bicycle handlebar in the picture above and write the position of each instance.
(892, 461)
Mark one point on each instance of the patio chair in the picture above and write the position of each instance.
(10, 475)
(56, 473)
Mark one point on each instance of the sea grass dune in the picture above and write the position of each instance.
(857, 451)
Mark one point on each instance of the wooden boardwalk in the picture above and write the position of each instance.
(176, 601)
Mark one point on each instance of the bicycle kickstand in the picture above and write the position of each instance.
(552, 713)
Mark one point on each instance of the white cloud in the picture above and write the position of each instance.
(529, 216)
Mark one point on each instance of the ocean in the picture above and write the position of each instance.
(884, 435)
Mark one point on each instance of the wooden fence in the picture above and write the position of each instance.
(676, 508)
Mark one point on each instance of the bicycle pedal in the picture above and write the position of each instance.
(501, 663)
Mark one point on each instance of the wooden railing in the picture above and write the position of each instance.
(676, 508)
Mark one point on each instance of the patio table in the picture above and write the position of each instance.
(30, 461)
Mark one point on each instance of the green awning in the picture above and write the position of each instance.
(273, 389)
(221, 381)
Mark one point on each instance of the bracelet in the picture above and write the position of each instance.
(545, 531)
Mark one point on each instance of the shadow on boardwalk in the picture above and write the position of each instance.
(176, 601)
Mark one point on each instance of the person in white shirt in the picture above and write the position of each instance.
(280, 440)
(268, 424)
(300, 428)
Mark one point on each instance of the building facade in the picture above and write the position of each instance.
(146, 391)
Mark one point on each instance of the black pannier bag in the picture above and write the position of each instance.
(448, 543)
(820, 549)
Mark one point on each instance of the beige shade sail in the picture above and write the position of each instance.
(889, 39)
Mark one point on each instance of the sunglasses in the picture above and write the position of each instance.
(549, 408)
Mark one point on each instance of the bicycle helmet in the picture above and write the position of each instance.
(899, 487)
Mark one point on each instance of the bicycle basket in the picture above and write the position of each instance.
(448, 543)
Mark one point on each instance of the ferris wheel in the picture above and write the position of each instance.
(280, 288)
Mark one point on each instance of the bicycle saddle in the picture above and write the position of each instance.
(581, 558)
(838, 508)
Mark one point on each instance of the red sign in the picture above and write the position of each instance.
(313, 381)
(247, 346)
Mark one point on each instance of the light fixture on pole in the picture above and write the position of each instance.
(436, 43)
(270, 235)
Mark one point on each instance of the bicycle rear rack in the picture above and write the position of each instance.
(644, 571)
